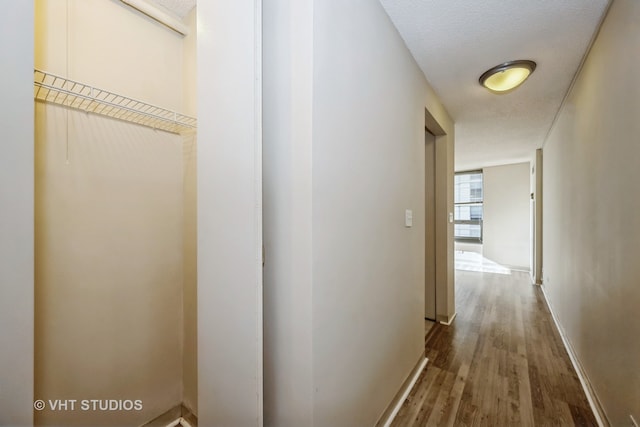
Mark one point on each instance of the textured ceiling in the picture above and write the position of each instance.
(455, 41)
(179, 7)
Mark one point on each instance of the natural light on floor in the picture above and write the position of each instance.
(474, 261)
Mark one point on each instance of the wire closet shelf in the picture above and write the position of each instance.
(59, 90)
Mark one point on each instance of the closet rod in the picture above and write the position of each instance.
(159, 15)
(59, 90)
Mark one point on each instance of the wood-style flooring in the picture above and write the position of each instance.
(500, 363)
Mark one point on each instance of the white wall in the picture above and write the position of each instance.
(288, 80)
(16, 216)
(344, 157)
(591, 223)
(368, 167)
(229, 213)
(506, 219)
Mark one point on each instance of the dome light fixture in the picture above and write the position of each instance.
(508, 76)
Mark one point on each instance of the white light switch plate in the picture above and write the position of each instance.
(408, 218)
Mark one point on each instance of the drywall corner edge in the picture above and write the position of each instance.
(17, 217)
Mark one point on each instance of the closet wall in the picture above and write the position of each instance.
(111, 219)
(190, 238)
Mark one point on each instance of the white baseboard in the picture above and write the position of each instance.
(179, 422)
(448, 323)
(517, 268)
(597, 409)
(402, 395)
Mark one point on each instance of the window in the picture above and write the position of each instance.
(468, 206)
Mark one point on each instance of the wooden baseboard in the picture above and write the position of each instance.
(392, 410)
(594, 402)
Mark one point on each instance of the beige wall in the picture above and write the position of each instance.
(190, 237)
(506, 237)
(109, 219)
(368, 151)
(16, 216)
(591, 227)
(344, 278)
(108, 266)
(142, 59)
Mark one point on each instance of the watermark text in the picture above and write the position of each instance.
(88, 405)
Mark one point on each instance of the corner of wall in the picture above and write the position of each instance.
(17, 216)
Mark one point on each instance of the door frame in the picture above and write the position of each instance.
(444, 183)
(430, 291)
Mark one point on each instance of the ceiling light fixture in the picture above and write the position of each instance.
(508, 76)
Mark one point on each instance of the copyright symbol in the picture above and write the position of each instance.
(39, 405)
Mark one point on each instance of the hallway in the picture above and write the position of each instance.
(501, 362)
(295, 232)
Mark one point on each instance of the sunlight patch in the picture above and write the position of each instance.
(473, 261)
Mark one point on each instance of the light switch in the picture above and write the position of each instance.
(450, 216)
(408, 218)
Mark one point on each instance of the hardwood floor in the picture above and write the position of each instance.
(500, 363)
(428, 328)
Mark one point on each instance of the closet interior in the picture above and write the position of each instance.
(115, 214)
